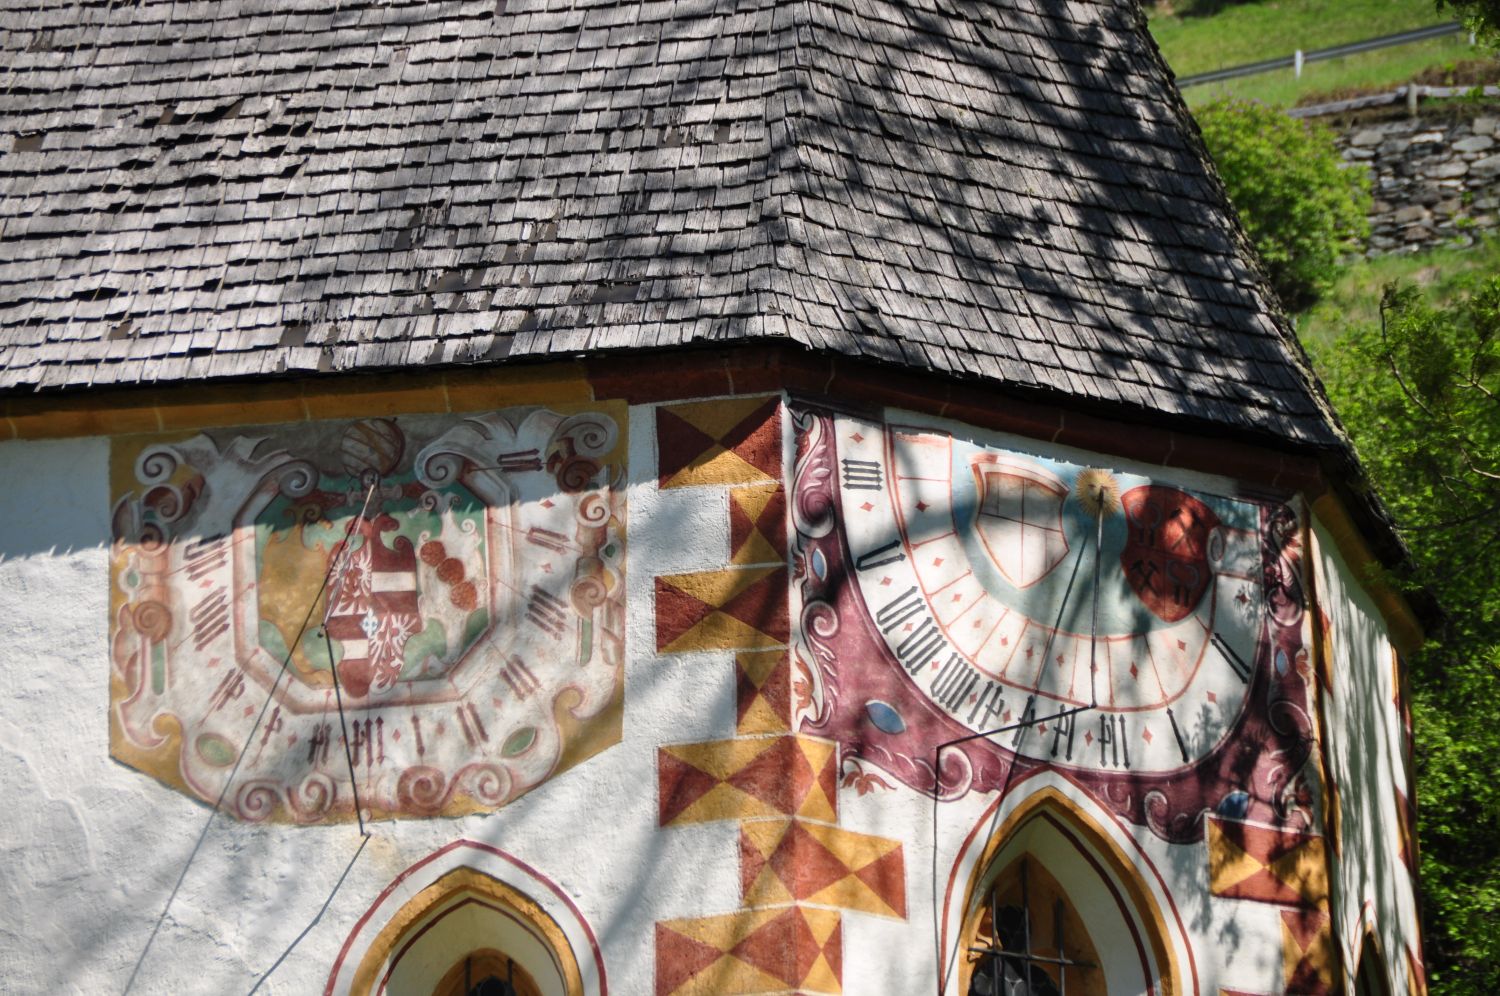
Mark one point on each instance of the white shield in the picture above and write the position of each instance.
(1020, 516)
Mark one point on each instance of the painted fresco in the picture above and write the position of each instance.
(947, 590)
(457, 583)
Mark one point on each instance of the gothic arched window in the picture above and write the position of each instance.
(1031, 940)
(1061, 901)
(1370, 979)
(487, 972)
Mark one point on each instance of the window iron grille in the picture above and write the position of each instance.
(1008, 965)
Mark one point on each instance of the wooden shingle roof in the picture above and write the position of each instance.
(1007, 190)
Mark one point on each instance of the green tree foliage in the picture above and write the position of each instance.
(1481, 15)
(1420, 394)
(1301, 207)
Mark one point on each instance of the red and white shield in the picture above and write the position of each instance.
(373, 611)
(1019, 517)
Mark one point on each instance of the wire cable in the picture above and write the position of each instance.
(334, 564)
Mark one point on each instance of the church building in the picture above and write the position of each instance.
(669, 498)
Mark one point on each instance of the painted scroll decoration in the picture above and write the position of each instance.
(462, 578)
(946, 587)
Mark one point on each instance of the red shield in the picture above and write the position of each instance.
(1166, 552)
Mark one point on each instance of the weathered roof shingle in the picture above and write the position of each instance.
(1008, 190)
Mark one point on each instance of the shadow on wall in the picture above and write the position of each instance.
(59, 499)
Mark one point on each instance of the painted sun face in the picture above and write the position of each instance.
(977, 565)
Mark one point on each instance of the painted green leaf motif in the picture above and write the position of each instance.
(215, 749)
(519, 742)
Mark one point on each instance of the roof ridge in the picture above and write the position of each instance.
(988, 189)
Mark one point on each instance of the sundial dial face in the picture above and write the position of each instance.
(948, 591)
(458, 582)
(979, 568)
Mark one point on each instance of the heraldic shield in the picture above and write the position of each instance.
(1019, 517)
(425, 613)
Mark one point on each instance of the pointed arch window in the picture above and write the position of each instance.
(1370, 979)
(469, 934)
(487, 972)
(1031, 940)
(1057, 903)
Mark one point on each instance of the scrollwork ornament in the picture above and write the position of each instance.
(312, 798)
(422, 789)
(577, 474)
(487, 784)
(439, 468)
(157, 464)
(257, 800)
(593, 510)
(170, 503)
(812, 480)
(296, 478)
(152, 619)
(589, 592)
(592, 435)
(471, 610)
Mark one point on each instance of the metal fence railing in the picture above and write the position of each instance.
(1411, 95)
(1297, 59)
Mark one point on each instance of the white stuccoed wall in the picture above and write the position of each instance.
(93, 849)
(1367, 760)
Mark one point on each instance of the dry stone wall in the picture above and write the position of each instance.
(1436, 180)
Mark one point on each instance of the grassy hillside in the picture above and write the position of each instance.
(1200, 35)
(1355, 298)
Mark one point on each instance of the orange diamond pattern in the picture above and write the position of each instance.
(787, 949)
(763, 693)
(1308, 952)
(725, 441)
(1265, 865)
(733, 609)
(1287, 869)
(757, 524)
(784, 861)
(746, 778)
(798, 869)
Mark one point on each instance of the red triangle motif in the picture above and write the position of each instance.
(833, 950)
(804, 864)
(762, 605)
(1262, 886)
(828, 778)
(1304, 925)
(780, 776)
(777, 692)
(678, 444)
(740, 527)
(745, 694)
(756, 439)
(751, 862)
(1305, 981)
(1262, 843)
(782, 947)
(886, 877)
(679, 958)
(772, 521)
(680, 785)
(676, 613)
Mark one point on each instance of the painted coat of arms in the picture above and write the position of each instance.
(457, 584)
